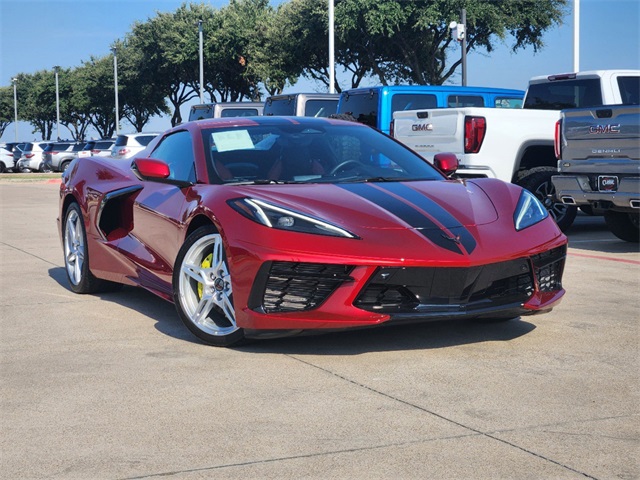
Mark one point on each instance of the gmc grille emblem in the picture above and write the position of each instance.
(597, 129)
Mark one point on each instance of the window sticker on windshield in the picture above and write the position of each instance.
(232, 140)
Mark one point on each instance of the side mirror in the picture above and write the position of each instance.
(447, 163)
(150, 168)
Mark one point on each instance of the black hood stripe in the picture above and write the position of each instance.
(405, 212)
(435, 210)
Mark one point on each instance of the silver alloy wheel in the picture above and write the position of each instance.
(74, 248)
(205, 292)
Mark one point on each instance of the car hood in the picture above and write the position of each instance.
(420, 205)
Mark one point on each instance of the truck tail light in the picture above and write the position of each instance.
(556, 140)
(474, 130)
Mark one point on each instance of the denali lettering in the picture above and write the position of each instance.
(596, 129)
(600, 151)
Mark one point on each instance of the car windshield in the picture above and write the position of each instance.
(310, 152)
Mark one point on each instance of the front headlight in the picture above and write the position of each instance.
(529, 211)
(282, 218)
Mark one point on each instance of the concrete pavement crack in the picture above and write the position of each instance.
(442, 417)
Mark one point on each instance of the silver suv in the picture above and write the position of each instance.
(59, 155)
(130, 144)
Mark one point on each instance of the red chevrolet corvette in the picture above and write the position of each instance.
(272, 225)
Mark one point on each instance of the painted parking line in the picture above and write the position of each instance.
(600, 257)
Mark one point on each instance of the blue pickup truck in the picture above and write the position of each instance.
(374, 106)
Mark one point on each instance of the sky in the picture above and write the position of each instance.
(38, 34)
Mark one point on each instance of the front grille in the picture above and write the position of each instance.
(548, 268)
(447, 289)
(295, 286)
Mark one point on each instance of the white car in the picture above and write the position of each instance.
(97, 148)
(130, 144)
(32, 158)
(6, 157)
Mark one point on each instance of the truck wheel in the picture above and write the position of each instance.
(538, 182)
(625, 226)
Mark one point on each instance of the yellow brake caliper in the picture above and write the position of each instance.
(206, 263)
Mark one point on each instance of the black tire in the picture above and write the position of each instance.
(44, 168)
(65, 165)
(76, 255)
(202, 289)
(3, 167)
(538, 182)
(624, 225)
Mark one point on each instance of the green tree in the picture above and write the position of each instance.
(410, 41)
(237, 49)
(305, 26)
(37, 101)
(6, 108)
(96, 84)
(75, 104)
(168, 43)
(139, 94)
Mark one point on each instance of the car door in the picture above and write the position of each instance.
(158, 214)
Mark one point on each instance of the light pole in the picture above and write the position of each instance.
(115, 80)
(56, 69)
(458, 32)
(15, 104)
(201, 61)
(576, 35)
(332, 69)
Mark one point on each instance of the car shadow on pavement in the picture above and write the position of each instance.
(139, 300)
(429, 335)
(417, 336)
(590, 232)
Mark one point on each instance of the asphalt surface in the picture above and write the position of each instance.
(113, 386)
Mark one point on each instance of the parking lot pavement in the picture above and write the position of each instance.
(112, 386)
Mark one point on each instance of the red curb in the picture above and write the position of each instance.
(612, 259)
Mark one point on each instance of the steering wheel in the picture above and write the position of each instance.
(344, 164)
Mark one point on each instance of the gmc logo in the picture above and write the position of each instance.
(421, 127)
(597, 129)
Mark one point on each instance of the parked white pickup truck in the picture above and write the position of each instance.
(516, 145)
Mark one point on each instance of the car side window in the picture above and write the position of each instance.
(177, 151)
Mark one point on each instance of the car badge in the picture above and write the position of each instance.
(455, 239)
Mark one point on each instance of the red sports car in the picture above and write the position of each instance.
(272, 225)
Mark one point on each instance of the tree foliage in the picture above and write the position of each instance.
(251, 47)
(6, 108)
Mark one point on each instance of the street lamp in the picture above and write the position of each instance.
(115, 80)
(56, 69)
(201, 62)
(459, 33)
(15, 104)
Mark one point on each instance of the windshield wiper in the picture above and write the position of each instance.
(260, 181)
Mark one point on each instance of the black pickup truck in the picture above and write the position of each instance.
(598, 152)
